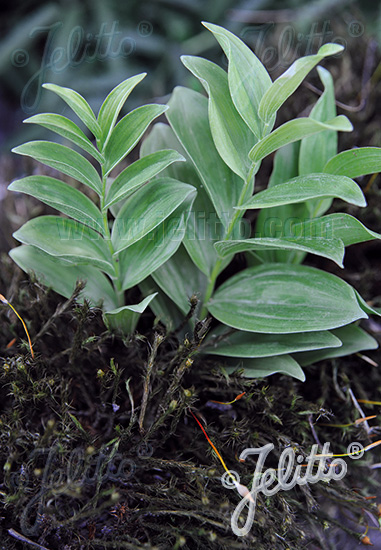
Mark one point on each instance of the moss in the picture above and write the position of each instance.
(100, 450)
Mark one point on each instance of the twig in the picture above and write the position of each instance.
(17, 536)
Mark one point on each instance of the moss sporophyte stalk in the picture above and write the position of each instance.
(171, 224)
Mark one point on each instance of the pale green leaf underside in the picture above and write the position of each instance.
(125, 319)
(283, 298)
(67, 129)
(266, 366)
(79, 105)
(327, 248)
(188, 117)
(146, 209)
(287, 83)
(316, 150)
(355, 162)
(65, 160)
(232, 137)
(251, 344)
(62, 276)
(354, 340)
(335, 226)
(303, 188)
(68, 240)
(248, 78)
(112, 105)
(139, 173)
(294, 130)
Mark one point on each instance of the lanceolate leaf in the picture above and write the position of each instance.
(66, 128)
(139, 173)
(146, 209)
(250, 344)
(282, 298)
(232, 137)
(265, 366)
(180, 279)
(354, 339)
(67, 239)
(294, 130)
(203, 227)
(62, 276)
(79, 105)
(316, 150)
(149, 253)
(63, 197)
(127, 133)
(287, 83)
(274, 222)
(310, 186)
(124, 319)
(248, 78)
(113, 104)
(65, 160)
(335, 226)
(328, 248)
(355, 162)
(188, 116)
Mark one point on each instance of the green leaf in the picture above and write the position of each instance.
(366, 307)
(146, 209)
(310, 186)
(232, 137)
(354, 339)
(180, 279)
(62, 197)
(124, 319)
(286, 84)
(355, 162)
(62, 276)
(139, 173)
(113, 104)
(327, 248)
(79, 105)
(66, 128)
(316, 150)
(282, 298)
(335, 226)
(266, 366)
(248, 78)
(127, 133)
(188, 116)
(68, 240)
(250, 344)
(274, 222)
(65, 160)
(149, 253)
(203, 227)
(294, 130)
(164, 309)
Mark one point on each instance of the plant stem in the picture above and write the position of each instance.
(237, 216)
(117, 283)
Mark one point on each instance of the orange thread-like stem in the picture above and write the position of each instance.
(5, 301)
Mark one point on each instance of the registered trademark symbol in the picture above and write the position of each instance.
(145, 28)
(356, 29)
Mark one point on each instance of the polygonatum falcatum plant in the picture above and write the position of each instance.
(172, 221)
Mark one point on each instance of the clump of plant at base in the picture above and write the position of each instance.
(172, 221)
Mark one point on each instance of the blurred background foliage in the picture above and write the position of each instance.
(93, 45)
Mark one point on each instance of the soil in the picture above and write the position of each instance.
(99, 449)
